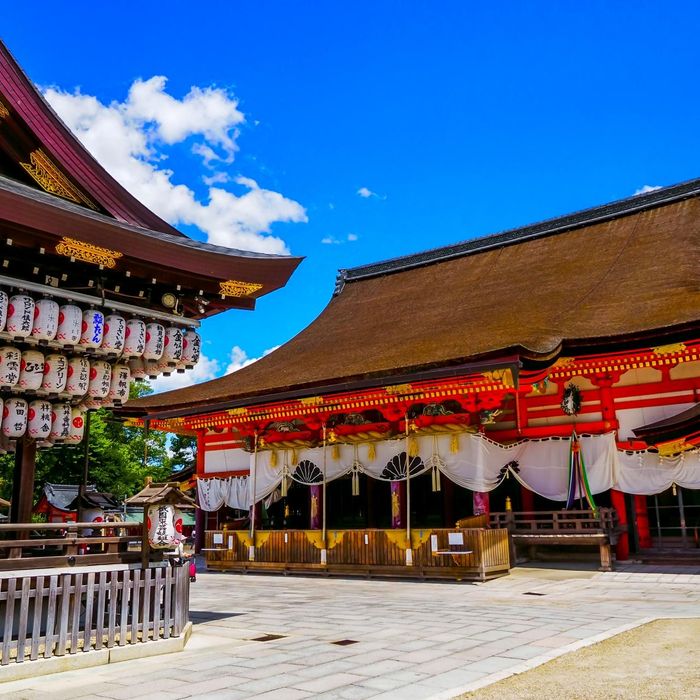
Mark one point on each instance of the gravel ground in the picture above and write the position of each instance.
(659, 660)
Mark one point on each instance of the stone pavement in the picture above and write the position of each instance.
(400, 639)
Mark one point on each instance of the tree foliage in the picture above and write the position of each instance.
(118, 463)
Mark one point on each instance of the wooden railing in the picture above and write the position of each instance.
(569, 522)
(42, 545)
(58, 612)
(363, 551)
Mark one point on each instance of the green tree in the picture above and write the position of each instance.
(183, 452)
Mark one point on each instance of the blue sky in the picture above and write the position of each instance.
(462, 119)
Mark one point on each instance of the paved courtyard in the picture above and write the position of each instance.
(400, 639)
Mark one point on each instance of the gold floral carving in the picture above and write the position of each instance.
(52, 180)
(398, 389)
(238, 411)
(668, 349)
(500, 376)
(234, 288)
(72, 248)
(4, 112)
(311, 401)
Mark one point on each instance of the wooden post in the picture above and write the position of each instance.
(622, 549)
(23, 481)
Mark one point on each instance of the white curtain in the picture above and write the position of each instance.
(648, 473)
(214, 493)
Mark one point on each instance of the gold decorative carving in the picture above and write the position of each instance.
(234, 288)
(563, 361)
(311, 401)
(398, 389)
(72, 248)
(398, 538)
(500, 376)
(238, 411)
(4, 112)
(52, 180)
(673, 447)
(668, 349)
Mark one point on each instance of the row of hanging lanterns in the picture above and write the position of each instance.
(42, 420)
(44, 320)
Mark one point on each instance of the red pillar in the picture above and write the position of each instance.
(642, 520)
(622, 551)
(527, 499)
(481, 501)
(200, 523)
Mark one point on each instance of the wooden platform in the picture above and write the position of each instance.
(366, 553)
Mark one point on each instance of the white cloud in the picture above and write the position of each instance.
(647, 188)
(129, 138)
(239, 358)
(352, 237)
(366, 192)
(207, 368)
(330, 240)
(203, 371)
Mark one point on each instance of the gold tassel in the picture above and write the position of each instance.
(454, 444)
(273, 458)
(355, 483)
(371, 452)
(412, 447)
(284, 486)
(673, 489)
(437, 479)
(335, 452)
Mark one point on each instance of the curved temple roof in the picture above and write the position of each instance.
(621, 273)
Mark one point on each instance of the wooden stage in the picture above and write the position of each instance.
(458, 553)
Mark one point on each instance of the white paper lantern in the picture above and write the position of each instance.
(152, 369)
(46, 313)
(78, 376)
(70, 321)
(14, 418)
(55, 373)
(115, 332)
(39, 419)
(119, 386)
(137, 368)
(191, 347)
(161, 527)
(20, 315)
(100, 379)
(4, 301)
(10, 365)
(134, 338)
(172, 346)
(155, 341)
(92, 329)
(77, 426)
(61, 415)
(31, 370)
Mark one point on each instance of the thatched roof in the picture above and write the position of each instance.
(624, 272)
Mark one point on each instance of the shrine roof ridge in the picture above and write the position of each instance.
(560, 224)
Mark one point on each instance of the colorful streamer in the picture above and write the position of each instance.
(578, 479)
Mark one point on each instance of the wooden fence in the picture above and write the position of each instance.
(58, 612)
(482, 554)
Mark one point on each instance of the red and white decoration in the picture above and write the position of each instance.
(31, 370)
(77, 426)
(162, 527)
(46, 313)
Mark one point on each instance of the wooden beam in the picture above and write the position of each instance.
(23, 481)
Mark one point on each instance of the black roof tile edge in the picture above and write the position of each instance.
(560, 224)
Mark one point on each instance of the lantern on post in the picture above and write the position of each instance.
(161, 504)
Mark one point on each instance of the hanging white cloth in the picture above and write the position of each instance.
(648, 473)
(211, 494)
(236, 492)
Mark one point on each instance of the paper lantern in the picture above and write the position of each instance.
(55, 373)
(191, 347)
(92, 329)
(10, 365)
(61, 415)
(134, 338)
(161, 527)
(172, 345)
(152, 369)
(14, 418)
(4, 301)
(77, 426)
(39, 419)
(78, 376)
(119, 385)
(20, 315)
(100, 379)
(155, 341)
(31, 370)
(115, 332)
(137, 368)
(70, 321)
(90, 404)
(46, 312)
